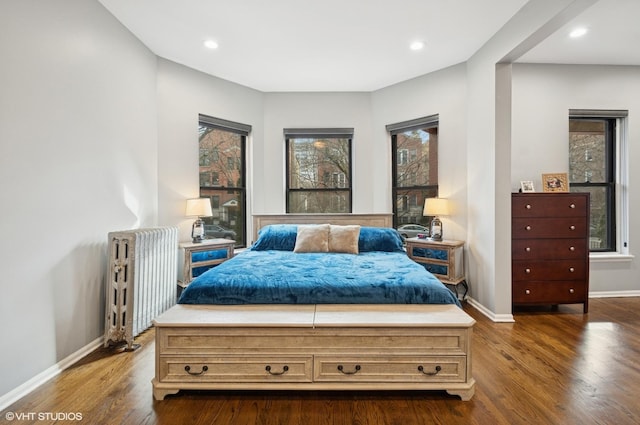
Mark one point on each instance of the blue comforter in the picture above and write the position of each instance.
(285, 277)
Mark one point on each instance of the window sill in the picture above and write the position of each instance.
(610, 257)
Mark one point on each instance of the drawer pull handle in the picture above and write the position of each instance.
(528, 228)
(528, 249)
(572, 227)
(527, 271)
(573, 248)
(285, 369)
(571, 269)
(437, 369)
(571, 291)
(356, 370)
(187, 368)
(528, 206)
(572, 206)
(527, 291)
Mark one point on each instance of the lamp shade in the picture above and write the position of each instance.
(436, 207)
(200, 207)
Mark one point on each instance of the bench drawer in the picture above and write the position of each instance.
(390, 369)
(236, 369)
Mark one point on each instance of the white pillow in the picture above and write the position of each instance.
(344, 238)
(312, 238)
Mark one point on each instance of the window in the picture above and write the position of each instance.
(222, 176)
(318, 170)
(596, 140)
(414, 150)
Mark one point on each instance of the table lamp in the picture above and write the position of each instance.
(436, 207)
(200, 207)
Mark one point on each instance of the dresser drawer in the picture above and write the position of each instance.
(566, 227)
(390, 369)
(557, 205)
(525, 249)
(548, 269)
(549, 292)
(236, 369)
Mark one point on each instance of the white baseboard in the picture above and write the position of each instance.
(499, 318)
(614, 294)
(16, 394)
(509, 317)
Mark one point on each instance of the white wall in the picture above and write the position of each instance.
(183, 93)
(442, 93)
(542, 97)
(318, 110)
(488, 155)
(78, 158)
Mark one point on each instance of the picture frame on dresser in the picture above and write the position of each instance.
(526, 186)
(555, 182)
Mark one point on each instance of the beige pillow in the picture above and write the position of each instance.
(344, 238)
(312, 238)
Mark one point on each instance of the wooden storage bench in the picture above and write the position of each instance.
(314, 347)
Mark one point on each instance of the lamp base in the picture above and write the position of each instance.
(436, 229)
(197, 231)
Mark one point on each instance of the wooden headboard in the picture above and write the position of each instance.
(371, 220)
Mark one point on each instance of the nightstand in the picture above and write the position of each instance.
(200, 257)
(444, 259)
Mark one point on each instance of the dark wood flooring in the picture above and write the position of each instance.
(549, 367)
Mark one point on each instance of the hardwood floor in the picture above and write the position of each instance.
(550, 367)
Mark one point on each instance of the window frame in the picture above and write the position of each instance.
(616, 178)
(431, 121)
(319, 133)
(241, 186)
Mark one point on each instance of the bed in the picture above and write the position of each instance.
(338, 306)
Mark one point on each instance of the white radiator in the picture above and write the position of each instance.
(141, 280)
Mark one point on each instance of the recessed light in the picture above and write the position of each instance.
(211, 44)
(417, 45)
(578, 32)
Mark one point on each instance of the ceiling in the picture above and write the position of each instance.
(356, 45)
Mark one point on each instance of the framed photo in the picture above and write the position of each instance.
(555, 182)
(526, 186)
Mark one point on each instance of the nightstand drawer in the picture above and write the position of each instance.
(200, 257)
(444, 259)
(431, 253)
(437, 269)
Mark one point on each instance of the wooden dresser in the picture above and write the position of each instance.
(550, 248)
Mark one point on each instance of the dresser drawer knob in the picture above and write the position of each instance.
(528, 228)
(572, 227)
(527, 271)
(435, 372)
(527, 291)
(572, 248)
(571, 291)
(285, 369)
(528, 249)
(355, 370)
(572, 206)
(187, 369)
(528, 206)
(571, 269)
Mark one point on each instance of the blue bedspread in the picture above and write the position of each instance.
(285, 277)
